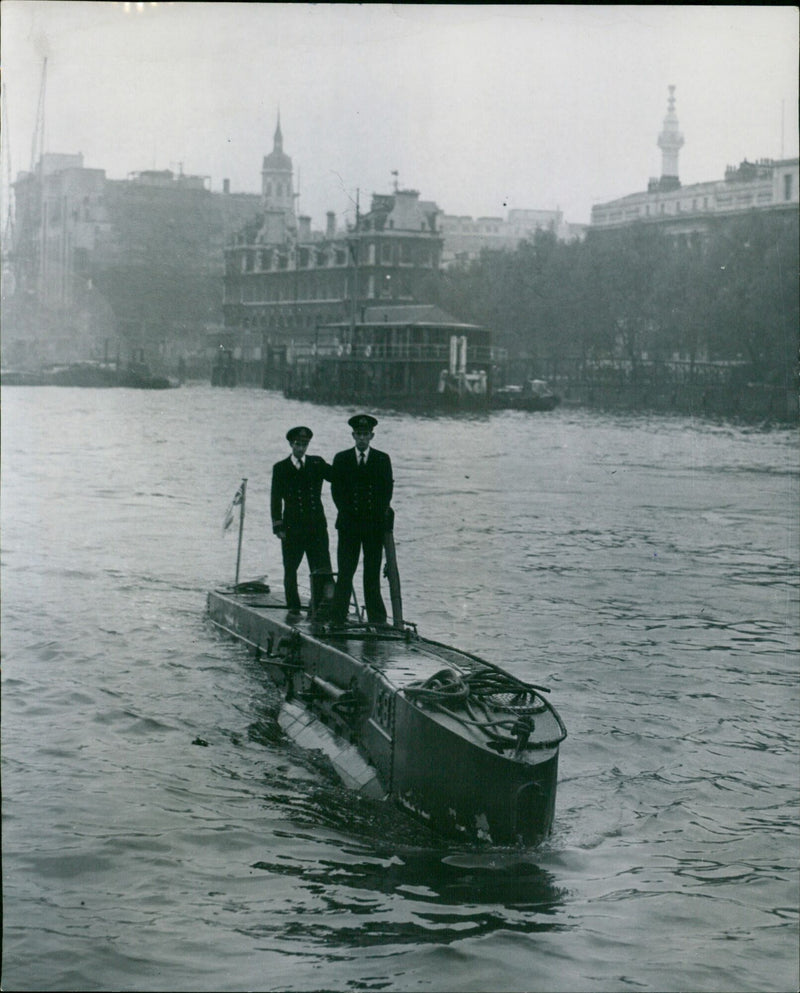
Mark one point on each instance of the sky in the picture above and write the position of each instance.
(482, 108)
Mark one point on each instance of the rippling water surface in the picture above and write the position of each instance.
(159, 833)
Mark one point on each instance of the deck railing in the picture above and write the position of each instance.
(393, 352)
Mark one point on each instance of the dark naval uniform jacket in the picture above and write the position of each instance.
(362, 495)
(296, 495)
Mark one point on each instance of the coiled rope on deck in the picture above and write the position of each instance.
(476, 698)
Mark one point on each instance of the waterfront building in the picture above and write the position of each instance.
(52, 311)
(283, 281)
(765, 185)
(96, 269)
(163, 265)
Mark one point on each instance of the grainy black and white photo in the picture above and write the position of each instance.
(399, 497)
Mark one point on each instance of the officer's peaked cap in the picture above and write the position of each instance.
(362, 422)
(301, 432)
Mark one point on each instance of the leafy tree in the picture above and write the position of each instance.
(731, 294)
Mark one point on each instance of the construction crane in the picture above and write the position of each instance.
(27, 222)
(37, 142)
(5, 133)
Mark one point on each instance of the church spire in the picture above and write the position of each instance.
(670, 141)
(277, 192)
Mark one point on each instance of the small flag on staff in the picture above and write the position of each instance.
(236, 502)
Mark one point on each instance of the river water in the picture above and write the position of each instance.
(159, 833)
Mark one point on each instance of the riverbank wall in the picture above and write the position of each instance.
(753, 402)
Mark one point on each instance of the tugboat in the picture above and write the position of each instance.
(457, 742)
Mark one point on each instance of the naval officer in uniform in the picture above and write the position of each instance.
(361, 487)
(298, 517)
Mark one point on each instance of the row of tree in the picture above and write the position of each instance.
(728, 294)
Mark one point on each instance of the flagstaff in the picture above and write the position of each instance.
(238, 501)
(242, 495)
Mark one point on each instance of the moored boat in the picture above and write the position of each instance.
(457, 742)
(135, 375)
(534, 394)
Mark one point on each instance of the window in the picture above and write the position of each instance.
(787, 186)
(81, 260)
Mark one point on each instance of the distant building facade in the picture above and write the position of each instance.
(764, 185)
(51, 310)
(97, 268)
(466, 237)
(59, 214)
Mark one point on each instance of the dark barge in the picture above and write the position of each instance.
(136, 375)
(455, 741)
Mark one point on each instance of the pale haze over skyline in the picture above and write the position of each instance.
(480, 108)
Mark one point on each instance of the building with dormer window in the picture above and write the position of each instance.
(283, 280)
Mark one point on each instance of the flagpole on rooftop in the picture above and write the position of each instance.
(243, 490)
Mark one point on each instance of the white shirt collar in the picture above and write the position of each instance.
(365, 453)
(296, 462)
